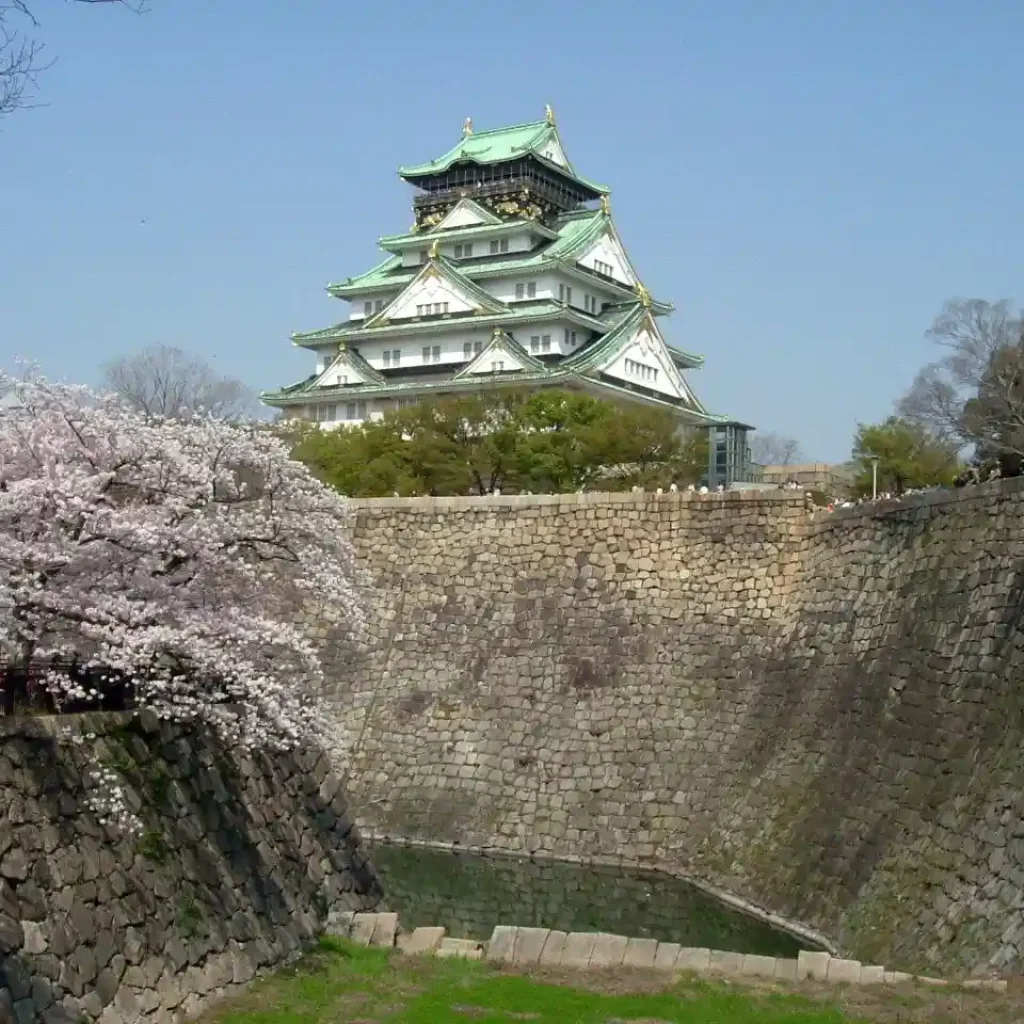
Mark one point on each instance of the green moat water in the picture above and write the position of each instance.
(469, 894)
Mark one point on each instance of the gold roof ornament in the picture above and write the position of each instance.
(549, 114)
(606, 204)
(644, 295)
(467, 127)
(342, 347)
(435, 249)
(496, 333)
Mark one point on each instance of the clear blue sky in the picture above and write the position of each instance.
(807, 181)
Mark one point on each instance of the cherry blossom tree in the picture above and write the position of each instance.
(167, 552)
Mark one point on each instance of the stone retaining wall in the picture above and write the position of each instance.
(240, 862)
(822, 714)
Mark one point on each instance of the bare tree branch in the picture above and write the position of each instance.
(775, 450)
(21, 55)
(974, 394)
(165, 381)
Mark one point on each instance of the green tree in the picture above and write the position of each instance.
(548, 441)
(908, 457)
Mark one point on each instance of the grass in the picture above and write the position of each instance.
(345, 983)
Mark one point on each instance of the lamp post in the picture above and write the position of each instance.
(873, 459)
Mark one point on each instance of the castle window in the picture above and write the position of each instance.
(561, 293)
(531, 290)
(568, 295)
(478, 347)
(463, 252)
(379, 305)
(545, 343)
(467, 349)
(367, 307)
(494, 246)
(424, 255)
(520, 290)
(535, 343)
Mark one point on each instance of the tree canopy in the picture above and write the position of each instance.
(908, 455)
(165, 381)
(163, 551)
(973, 395)
(545, 442)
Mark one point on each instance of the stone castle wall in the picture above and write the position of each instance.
(238, 866)
(822, 714)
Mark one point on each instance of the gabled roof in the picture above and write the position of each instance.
(501, 344)
(497, 145)
(600, 353)
(445, 270)
(347, 359)
(463, 209)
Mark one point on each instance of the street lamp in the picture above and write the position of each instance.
(873, 459)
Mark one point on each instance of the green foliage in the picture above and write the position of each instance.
(153, 846)
(189, 917)
(545, 442)
(908, 457)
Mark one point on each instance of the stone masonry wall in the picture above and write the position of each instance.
(238, 866)
(822, 714)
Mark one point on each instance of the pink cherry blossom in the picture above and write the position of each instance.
(175, 553)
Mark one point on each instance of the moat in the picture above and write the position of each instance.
(469, 894)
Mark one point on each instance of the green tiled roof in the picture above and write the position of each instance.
(497, 146)
(581, 364)
(527, 313)
(297, 393)
(575, 231)
(421, 240)
(606, 347)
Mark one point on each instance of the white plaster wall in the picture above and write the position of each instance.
(430, 290)
(411, 347)
(357, 308)
(647, 349)
(552, 151)
(608, 250)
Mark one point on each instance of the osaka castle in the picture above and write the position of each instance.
(512, 275)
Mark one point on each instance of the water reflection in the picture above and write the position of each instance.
(470, 894)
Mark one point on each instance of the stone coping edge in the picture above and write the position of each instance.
(474, 502)
(776, 498)
(737, 903)
(510, 944)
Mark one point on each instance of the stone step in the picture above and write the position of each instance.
(468, 948)
(421, 941)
